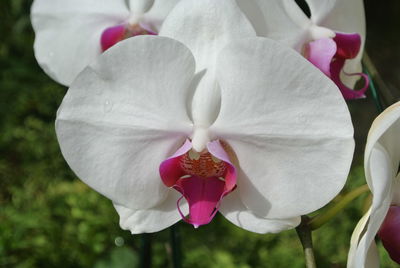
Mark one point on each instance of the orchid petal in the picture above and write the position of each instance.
(158, 12)
(320, 53)
(235, 211)
(68, 33)
(389, 233)
(113, 139)
(379, 168)
(348, 17)
(276, 19)
(205, 27)
(372, 260)
(337, 77)
(292, 134)
(203, 196)
(170, 170)
(140, 6)
(320, 9)
(385, 129)
(151, 220)
(382, 158)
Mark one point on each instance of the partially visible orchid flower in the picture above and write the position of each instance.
(382, 160)
(170, 130)
(332, 38)
(72, 33)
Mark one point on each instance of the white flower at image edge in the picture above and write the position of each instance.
(72, 33)
(381, 160)
(272, 131)
(332, 38)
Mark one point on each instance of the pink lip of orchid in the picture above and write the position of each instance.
(211, 122)
(203, 179)
(332, 38)
(71, 34)
(382, 159)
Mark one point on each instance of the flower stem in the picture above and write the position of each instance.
(387, 96)
(323, 218)
(305, 236)
(176, 246)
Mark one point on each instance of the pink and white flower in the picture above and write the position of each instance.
(382, 160)
(72, 33)
(332, 38)
(218, 120)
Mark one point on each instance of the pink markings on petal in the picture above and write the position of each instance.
(330, 55)
(217, 150)
(202, 178)
(320, 53)
(203, 196)
(348, 93)
(111, 36)
(170, 170)
(114, 34)
(389, 233)
(348, 45)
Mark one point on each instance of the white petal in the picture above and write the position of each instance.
(154, 219)
(124, 115)
(140, 6)
(385, 129)
(347, 16)
(287, 123)
(382, 187)
(355, 238)
(320, 9)
(158, 12)
(280, 20)
(205, 27)
(234, 210)
(68, 33)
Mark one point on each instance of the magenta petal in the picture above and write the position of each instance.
(348, 45)
(203, 196)
(348, 93)
(111, 36)
(170, 170)
(320, 53)
(216, 149)
(389, 233)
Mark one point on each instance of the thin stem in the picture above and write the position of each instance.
(387, 95)
(176, 246)
(305, 236)
(145, 251)
(374, 92)
(323, 218)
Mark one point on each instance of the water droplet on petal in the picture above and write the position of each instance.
(108, 106)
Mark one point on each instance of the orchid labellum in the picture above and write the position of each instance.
(332, 38)
(219, 120)
(72, 33)
(382, 160)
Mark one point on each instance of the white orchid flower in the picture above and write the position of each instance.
(332, 38)
(382, 159)
(72, 33)
(222, 121)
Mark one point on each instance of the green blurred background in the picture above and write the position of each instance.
(48, 218)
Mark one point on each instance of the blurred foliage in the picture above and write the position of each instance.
(48, 218)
